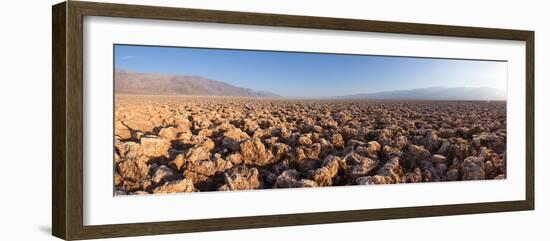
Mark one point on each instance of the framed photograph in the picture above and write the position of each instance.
(171, 120)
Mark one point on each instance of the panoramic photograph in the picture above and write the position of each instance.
(200, 120)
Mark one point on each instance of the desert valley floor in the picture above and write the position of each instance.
(170, 144)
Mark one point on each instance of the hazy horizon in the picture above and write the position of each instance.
(312, 75)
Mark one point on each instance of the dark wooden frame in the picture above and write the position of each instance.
(67, 123)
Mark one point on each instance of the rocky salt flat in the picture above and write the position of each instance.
(169, 144)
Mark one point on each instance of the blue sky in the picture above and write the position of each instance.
(293, 74)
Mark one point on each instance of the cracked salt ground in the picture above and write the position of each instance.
(196, 144)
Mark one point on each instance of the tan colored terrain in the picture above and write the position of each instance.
(167, 144)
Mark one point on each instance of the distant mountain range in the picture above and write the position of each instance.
(160, 84)
(434, 93)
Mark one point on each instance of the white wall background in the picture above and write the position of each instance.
(25, 119)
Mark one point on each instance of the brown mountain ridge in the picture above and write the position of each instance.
(127, 82)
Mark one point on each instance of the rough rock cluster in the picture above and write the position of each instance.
(189, 144)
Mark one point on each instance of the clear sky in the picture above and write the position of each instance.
(292, 74)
